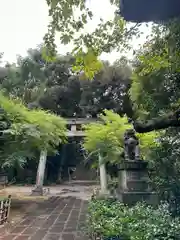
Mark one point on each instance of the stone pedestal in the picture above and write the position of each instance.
(133, 184)
(37, 191)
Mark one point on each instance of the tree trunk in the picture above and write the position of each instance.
(40, 173)
(103, 176)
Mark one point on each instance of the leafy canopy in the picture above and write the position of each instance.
(31, 128)
(106, 137)
(155, 85)
(70, 18)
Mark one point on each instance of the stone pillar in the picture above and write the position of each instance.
(40, 174)
(103, 178)
(133, 184)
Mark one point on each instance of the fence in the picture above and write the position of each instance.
(5, 205)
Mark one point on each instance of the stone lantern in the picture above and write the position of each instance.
(133, 183)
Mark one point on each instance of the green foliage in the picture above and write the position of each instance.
(55, 87)
(155, 85)
(165, 45)
(140, 222)
(25, 80)
(148, 141)
(87, 63)
(106, 137)
(155, 92)
(70, 18)
(29, 130)
(164, 162)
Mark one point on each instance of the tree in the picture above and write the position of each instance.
(24, 131)
(26, 79)
(155, 85)
(155, 93)
(55, 87)
(106, 138)
(108, 90)
(103, 40)
(66, 94)
(109, 34)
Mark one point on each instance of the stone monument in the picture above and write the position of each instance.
(133, 180)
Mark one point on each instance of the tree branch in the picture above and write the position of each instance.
(132, 28)
(170, 120)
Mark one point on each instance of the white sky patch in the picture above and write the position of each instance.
(23, 24)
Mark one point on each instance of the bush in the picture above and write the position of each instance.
(141, 222)
(164, 163)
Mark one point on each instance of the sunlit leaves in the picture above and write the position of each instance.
(49, 53)
(87, 63)
(148, 141)
(70, 18)
(106, 137)
(33, 128)
(156, 74)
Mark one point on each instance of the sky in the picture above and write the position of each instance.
(23, 24)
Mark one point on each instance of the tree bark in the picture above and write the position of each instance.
(103, 177)
(41, 169)
(159, 123)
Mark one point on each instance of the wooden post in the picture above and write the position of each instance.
(9, 206)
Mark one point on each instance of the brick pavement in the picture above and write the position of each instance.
(58, 218)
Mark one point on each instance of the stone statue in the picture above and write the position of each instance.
(131, 145)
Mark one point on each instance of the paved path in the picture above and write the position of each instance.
(60, 217)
